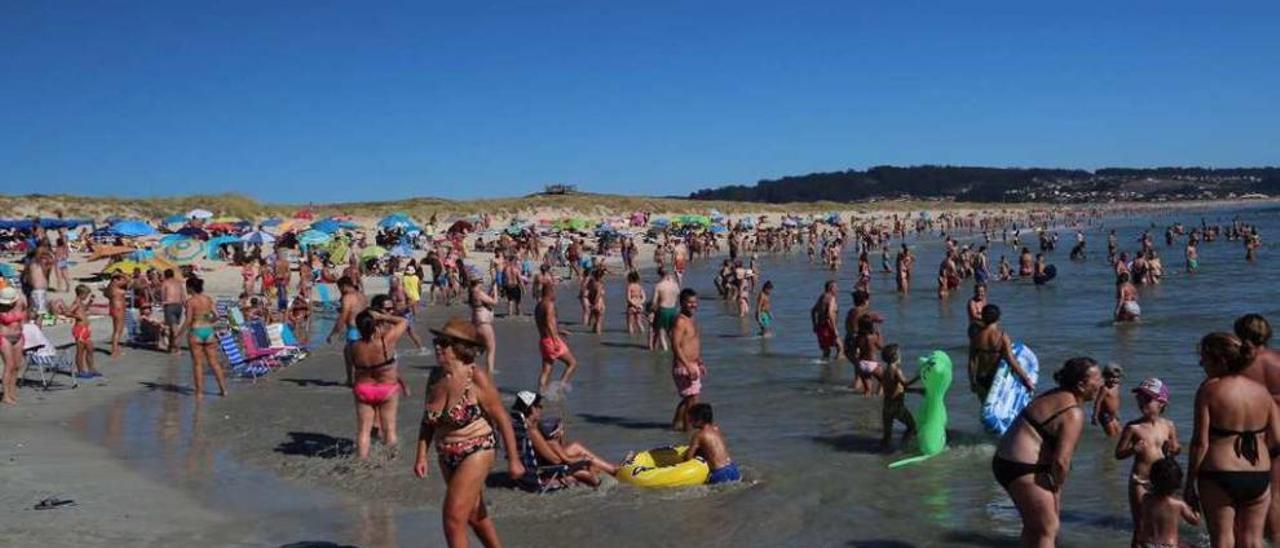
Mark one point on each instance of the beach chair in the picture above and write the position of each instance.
(239, 365)
(45, 358)
(538, 479)
(235, 317)
(133, 328)
(223, 307)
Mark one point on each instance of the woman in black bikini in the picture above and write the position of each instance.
(1034, 456)
(462, 418)
(1230, 469)
(987, 346)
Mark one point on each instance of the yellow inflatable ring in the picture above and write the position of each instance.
(663, 467)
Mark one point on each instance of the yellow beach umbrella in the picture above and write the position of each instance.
(124, 267)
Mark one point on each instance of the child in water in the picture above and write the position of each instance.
(895, 386)
(1161, 510)
(707, 442)
(764, 310)
(1106, 407)
(1148, 440)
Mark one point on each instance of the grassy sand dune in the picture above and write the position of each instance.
(538, 205)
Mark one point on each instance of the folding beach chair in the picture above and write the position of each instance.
(223, 307)
(538, 479)
(45, 358)
(240, 366)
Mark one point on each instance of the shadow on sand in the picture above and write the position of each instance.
(313, 382)
(316, 445)
(167, 387)
(624, 422)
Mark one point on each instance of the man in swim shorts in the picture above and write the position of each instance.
(687, 369)
(173, 295)
(823, 317)
(666, 295)
(551, 343)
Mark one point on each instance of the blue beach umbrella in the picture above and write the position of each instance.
(170, 239)
(327, 226)
(314, 237)
(213, 245)
(258, 237)
(132, 229)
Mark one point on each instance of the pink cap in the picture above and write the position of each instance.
(1154, 388)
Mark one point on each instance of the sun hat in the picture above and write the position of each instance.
(527, 399)
(460, 330)
(1153, 388)
(8, 296)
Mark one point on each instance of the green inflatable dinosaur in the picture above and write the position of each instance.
(931, 419)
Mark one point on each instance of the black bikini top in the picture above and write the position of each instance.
(1246, 441)
(1039, 426)
(387, 361)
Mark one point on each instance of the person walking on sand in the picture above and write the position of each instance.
(353, 302)
(115, 293)
(13, 312)
(283, 273)
(666, 295)
(551, 343)
(687, 368)
(377, 386)
(482, 303)
(199, 325)
(173, 295)
(463, 418)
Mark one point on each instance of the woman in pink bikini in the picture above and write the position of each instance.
(13, 311)
(377, 383)
(462, 418)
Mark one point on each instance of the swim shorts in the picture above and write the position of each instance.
(552, 348)
(665, 318)
(80, 332)
(826, 336)
(725, 474)
(172, 313)
(766, 320)
(686, 385)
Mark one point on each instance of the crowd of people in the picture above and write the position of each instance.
(1231, 447)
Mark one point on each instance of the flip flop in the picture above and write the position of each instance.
(54, 502)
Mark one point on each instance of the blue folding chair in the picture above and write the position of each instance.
(240, 366)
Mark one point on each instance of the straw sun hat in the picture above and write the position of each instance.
(461, 331)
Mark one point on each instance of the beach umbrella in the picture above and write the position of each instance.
(214, 245)
(170, 238)
(227, 219)
(304, 214)
(372, 252)
(314, 237)
(660, 222)
(199, 214)
(184, 251)
(132, 229)
(326, 225)
(124, 267)
(194, 232)
(347, 223)
(105, 251)
(175, 220)
(142, 255)
(396, 220)
(258, 237)
(271, 222)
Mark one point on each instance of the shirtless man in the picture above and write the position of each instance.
(1026, 263)
(512, 285)
(38, 280)
(115, 307)
(353, 302)
(282, 280)
(551, 339)
(306, 278)
(173, 293)
(904, 262)
(595, 300)
(1254, 332)
(976, 303)
(1192, 255)
(666, 295)
(823, 317)
(687, 369)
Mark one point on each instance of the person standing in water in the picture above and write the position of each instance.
(1192, 254)
(687, 368)
(1127, 308)
(173, 296)
(666, 294)
(199, 323)
(1147, 439)
(1033, 458)
(823, 319)
(551, 343)
(987, 347)
(764, 309)
(635, 304)
(1254, 333)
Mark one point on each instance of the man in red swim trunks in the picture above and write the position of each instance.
(551, 338)
(823, 316)
(687, 369)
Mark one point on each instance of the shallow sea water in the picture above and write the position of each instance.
(807, 446)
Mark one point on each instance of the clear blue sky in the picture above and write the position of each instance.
(290, 101)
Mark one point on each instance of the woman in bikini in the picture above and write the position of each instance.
(13, 311)
(1034, 456)
(377, 381)
(462, 418)
(987, 346)
(200, 318)
(635, 304)
(482, 303)
(1229, 467)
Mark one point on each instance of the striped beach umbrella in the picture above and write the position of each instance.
(184, 251)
